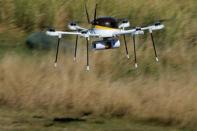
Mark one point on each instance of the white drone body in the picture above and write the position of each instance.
(108, 30)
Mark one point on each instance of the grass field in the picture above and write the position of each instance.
(156, 96)
(14, 120)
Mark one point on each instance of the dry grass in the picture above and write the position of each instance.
(69, 89)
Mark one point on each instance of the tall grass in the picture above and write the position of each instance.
(32, 14)
(164, 91)
(35, 84)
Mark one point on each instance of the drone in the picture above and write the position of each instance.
(107, 30)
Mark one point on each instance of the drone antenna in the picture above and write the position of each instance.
(95, 11)
(86, 10)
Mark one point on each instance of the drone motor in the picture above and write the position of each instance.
(72, 26)
(124, 24)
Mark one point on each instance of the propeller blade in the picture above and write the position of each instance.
(126, 46)
(156, 57)
(86, 10)
(156, 22)
(77, 21)
(57, 52)
(48, 28)
(75, 54)
(163, 20)
(51, 29)
(123, 20)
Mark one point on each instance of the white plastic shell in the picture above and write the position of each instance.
(106, 44)
(124, 25)
(157, 27)
(51, 33)
(72, 27)
(139, 32)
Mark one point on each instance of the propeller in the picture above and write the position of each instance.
(48, 28)
(76, 22)
(51, 29)
(156, 22)
(123, 20)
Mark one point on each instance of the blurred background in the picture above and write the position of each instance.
(165, 91)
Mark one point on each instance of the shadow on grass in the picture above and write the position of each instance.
(68, 119)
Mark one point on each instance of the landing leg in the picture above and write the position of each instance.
(75, 53)
(87, 45)
(156, 57)
(57, 52)
(134, 48)
(126, 46)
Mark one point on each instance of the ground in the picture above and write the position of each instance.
(20, 120)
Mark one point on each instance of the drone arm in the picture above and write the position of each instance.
(134, 31)
(57, 33)
(138, 31)
(84, 33)
(124, 32)
(153, 27)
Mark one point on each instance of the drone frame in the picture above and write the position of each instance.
(87, 33)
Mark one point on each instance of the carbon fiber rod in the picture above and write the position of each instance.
(125, 42)
(87, 45)
(75, 53)
(135, 54)
(57, 51)
(156, 57)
